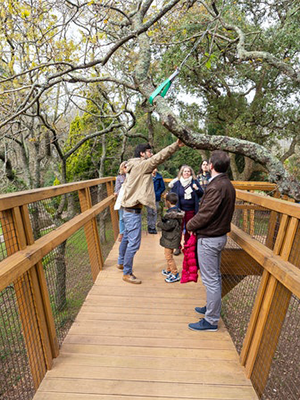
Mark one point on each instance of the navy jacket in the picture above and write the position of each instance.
(193, 203)
(159, 186)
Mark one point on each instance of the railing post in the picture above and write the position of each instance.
(272, 225)
(268, 314)
(91, 234)
(113, 213)
(43, 305)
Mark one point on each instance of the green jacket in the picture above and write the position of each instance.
(170, 225)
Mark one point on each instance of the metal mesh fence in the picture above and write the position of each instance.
(16, 381)
(68, 276)
(241, 291)
(46, 215)
(283, 380)
(7, 235)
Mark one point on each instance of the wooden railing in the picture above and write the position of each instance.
(22, 263)
(273, 254)
(269, 256)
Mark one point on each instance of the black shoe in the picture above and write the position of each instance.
(152, 231)
(177, 252)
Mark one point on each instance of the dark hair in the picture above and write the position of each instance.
(220, 160)
(201, 170)
(141, 148)
(172, 198)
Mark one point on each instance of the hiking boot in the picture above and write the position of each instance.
(200, 310)
(203, 325)
(177, 252)
(130, 278)
(165, 272)
(120, 266)
(173, 278)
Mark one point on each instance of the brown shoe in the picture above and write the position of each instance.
(120, 266)
(130, 278)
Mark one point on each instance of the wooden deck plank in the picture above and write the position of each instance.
(148, 388)
(132, 342)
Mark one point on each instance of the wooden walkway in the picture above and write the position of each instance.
(132, 342)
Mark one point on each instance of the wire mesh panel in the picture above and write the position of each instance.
(240, 284)
(3, 252)
(284, 377)
(46, 215)
(68, 275)
(7, 234)
(16, 381)
(106, 233)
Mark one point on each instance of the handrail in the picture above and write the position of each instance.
(17, 199)
(280, 277)
(283, 271)
(18, 263)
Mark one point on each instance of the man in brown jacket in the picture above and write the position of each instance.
(139, 192)
(211, 224)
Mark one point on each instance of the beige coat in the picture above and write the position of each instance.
(138, 187)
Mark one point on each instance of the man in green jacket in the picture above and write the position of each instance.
(139, 192)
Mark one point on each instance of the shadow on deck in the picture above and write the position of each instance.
(132, 342)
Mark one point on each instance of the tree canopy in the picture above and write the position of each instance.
(58, 58)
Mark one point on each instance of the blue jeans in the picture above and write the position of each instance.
(209, 258)
(131, 240)
(121, 221)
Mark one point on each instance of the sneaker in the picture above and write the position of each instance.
(200, 310)
(173, 278)
(152, 231)
(120, 266)
(130, 278)
(203, 325)
(177, 252)
(165, 272)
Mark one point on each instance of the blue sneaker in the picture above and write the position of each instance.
(203, 325)
(173, 278)
(200, 310)
(165, 272)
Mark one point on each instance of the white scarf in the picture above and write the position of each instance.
(186, 183)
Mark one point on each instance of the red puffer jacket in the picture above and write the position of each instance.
(190, 265)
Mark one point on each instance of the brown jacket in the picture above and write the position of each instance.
(215, 210)
(139, 188)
